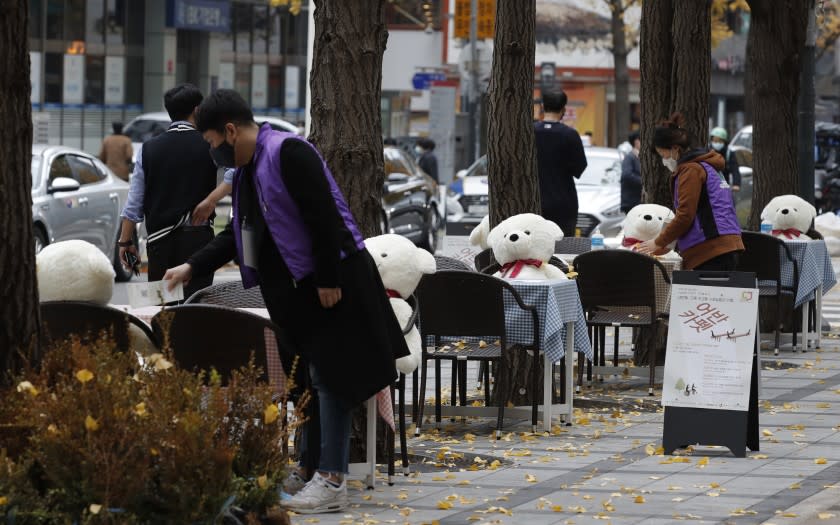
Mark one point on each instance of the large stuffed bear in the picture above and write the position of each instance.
(78, 271)
(645, 222)
(478, 237)
(523, 244)
(401, 265)
(790, 215)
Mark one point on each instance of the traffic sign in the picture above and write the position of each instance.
(424, 80)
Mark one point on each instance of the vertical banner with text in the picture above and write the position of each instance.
(443, 97)
(114, 81)
(292, 93)
(74, 79)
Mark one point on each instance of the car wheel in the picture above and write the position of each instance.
(40, 240)
(123, 274)
(432, 229)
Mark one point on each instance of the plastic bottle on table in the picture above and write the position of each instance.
(597, 240)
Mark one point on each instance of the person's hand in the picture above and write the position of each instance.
(124, 250)
(202, 212)
(329, 296)
(648, 247)
(179, 274)
(735, 187)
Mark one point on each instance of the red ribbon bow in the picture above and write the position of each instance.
(630, 241)
(393, 294)
(516, 267)
(790, 233)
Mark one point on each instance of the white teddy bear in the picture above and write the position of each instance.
(401, 265)
(523, 244)
(790, 215)
(478, 237)
(645, 222)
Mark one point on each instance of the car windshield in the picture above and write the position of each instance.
(143, 130)
(36, 171)
(601, 171)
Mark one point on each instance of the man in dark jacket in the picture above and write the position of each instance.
(426, 159)
(631, 175)
(560, 160)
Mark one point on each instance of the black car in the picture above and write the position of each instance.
(410, 200)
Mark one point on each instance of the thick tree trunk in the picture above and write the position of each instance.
(511, 157)
(19, 317)
(622, 73)
(346, 82)
(656, 64)
(774, 47)
(692, 37)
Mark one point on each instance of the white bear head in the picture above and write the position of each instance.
(74, 271)
(401, 264)
(524, 236)
(787, 212)
(644, 222)
(478, 237)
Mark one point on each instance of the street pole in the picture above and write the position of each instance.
(474, 150)
(807, 101)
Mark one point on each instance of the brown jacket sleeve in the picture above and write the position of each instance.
(691, 177)
(103, 151)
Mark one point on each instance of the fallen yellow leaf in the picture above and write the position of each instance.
(140, 409)
(91, 424)
(557, 508)
(702, 462)
(4, 500)
(530, 478)
(820, 461)
(84, 375)
(795, 486)
(444, 505)
(262, 481)
(639, 499)
(823, 405)
(94, 508)
(766, 432)
(825, 515)
(759, 456)
(271, 414)
(650, 449)
(714, 485)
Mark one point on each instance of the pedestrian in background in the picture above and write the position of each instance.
(173, 174)
(560, 160)
(116, 152)
(719, 142)
(631, 175)
(426, 158)
(705, 225)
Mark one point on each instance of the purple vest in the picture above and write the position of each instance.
(715, 211)
(281, 212)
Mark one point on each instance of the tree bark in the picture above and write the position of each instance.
(511, 154)
(656, 67)
(19, 317)
(774, 46)
(692, 37)
(346, 83)
(622, 73)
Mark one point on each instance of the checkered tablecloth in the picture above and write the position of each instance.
(557, 303)
(274, 366)
(663, 288)
(815, 269)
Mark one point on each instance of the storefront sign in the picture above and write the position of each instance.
(35, 76)
(114, 80)
(292, 98)
(227, 74)
(199, 15)
(442, 127)
(74, 79)
(711, 337)
(259, 86)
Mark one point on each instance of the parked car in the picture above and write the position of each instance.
(410, 200)
(75, 196)
(598, 189)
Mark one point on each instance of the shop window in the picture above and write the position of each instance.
(242, 80)
(276, 93)
(53, 77)
(261, 29)
(242, 27)
(36, 19)
(115, 22)
(95, 22)
(74, 20)
(55, 19)
(135, 22)
(94, 79)
(134, 80)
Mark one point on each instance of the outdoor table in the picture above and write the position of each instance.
(816, 276)
(562, 326)
(381, 402)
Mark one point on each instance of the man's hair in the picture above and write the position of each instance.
(426, 144)
(554, 101)
(181, 101)
(223, 106)
(672, 132)
(633, 137)
(117, 127)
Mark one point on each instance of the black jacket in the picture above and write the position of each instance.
(560, 160)
(631, 182)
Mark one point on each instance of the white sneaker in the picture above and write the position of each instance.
(318, 496)
(293, 483)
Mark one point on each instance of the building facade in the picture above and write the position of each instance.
(98, 61)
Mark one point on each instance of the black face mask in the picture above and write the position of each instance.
(223, 155)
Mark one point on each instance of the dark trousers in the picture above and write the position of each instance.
(568, 227)
(725, 262)
(175, 249)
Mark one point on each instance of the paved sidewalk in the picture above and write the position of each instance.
(605, 468)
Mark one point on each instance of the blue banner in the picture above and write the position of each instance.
(199, 15)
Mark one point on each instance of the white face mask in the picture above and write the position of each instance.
(671, 164)
(717, 146)
(418, 150)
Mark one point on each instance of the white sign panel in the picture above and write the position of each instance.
(74, 79)
(292, 98)
(442, 129)
(226, 75)
(153, 293)
(35, 76)
(456, 243)
(259, 86)
(114, 80)
(711, 337)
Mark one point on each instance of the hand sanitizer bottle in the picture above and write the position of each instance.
(766, 227)
(597, 240)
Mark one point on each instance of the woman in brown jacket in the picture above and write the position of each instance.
(705, 224)
(117, 151)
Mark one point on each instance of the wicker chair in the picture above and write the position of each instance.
(63, 319)
(573, 245)
(449, 263)
(230, 294)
